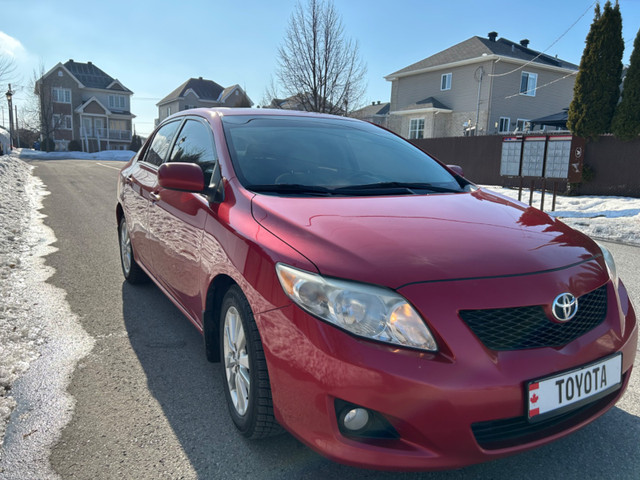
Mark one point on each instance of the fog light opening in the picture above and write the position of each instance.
(357, 422)
(356, 419)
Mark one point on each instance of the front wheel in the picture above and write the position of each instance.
(246, 379)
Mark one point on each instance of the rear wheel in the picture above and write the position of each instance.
(246, 380)
(131, 270)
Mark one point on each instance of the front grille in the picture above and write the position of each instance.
(529, 327)
(511, 432)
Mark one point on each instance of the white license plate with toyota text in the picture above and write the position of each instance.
(553, 395)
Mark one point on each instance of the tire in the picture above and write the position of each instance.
(245, 375)
(130, 269)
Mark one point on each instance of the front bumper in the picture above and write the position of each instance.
(434, 401)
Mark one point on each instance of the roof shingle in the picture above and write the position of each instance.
(204, 89)
(476, 47)
(88, 74)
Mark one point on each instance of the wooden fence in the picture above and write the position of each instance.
(612, 166)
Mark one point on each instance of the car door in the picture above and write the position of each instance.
(140, 182)
(177, 220)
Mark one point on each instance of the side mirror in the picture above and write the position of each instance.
(457, 169)
(187, 177)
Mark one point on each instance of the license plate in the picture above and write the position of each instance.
(558, 393)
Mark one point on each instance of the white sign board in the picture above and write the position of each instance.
(558, 155)
(533, 156)
(510, 160)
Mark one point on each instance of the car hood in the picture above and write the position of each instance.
(397, 240)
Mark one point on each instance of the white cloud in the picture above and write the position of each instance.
(11, 47)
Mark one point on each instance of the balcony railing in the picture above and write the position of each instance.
(104, 134)
(120, 134)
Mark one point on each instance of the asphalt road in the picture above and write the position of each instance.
(149, 405)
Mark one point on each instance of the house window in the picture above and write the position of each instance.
(522, 125)
(62, 122)
(416, 128)
(168, 111)
(445, 81)
(504, 124)
(117, 101)
(61, 95)
(528, 82)
(118, 125)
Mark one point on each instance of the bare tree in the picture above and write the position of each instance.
(271, 95)
(7, 68)
(317, 64)
(41, 107)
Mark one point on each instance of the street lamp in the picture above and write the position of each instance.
(9, 95)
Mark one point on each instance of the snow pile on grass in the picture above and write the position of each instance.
(608, 218)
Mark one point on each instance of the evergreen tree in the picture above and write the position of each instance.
(597, 86)
(611, 61)
(626, 122)
(136, 143)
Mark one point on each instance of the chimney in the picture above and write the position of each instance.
(373, 103)
(378, 102)
(199, 78)
(493, 36)
(524, 42)
(89, 63)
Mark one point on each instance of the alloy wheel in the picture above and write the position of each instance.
(125, 248)
(236, 361)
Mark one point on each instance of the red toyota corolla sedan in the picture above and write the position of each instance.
(373, 302)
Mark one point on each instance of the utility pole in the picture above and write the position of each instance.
(9, 95)
(17, 129)
(478, 76)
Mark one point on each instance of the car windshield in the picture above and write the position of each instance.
(285, 155)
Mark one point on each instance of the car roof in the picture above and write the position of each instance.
(254, 112)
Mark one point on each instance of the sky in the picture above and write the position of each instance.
(153, 46)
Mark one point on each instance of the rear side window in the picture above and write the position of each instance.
(161, 144)
(194, 144)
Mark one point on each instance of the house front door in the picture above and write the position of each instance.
(98, 124)
(87, 131)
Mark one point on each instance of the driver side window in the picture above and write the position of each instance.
(194, 144)
(161, 144)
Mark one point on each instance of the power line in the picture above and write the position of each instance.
(545, 50)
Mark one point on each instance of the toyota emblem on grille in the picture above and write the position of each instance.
(565, 307)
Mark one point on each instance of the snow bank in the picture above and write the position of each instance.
(41, 339)
(608, 218)
(19, 336)
(116, 155)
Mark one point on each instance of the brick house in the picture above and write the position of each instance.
(479, 86)
(199, 92)
(81, 102)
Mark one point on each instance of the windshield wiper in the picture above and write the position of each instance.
(291, 188)
(389, 186)
(381, 188)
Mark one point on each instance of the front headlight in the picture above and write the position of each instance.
(611, 264)
(364, 310)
